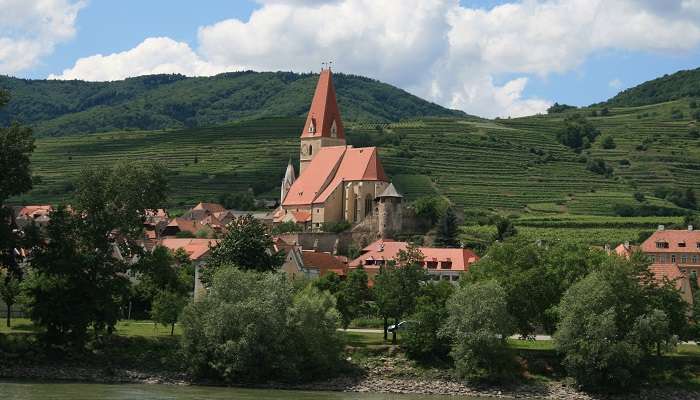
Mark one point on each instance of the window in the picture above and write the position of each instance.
(455, 277)
(446, 265)
(369, 262)
(445, 277)
(662, 245)
(697, 245)
(334, 129)
(431, 264)
(368, 205)
(695, 259)
(681, 244)
(653, 259)
(311, 150)
(673, 258)
(662, 259)
(684, 259)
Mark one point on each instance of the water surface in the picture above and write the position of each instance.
(89, 391)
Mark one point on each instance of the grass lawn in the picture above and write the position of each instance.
(124, 328)
(365, 339)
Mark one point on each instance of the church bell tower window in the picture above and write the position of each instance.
(334, 130)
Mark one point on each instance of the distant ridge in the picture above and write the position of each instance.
(676, 86)
(151, 102)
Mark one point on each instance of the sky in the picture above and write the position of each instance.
(485, 57)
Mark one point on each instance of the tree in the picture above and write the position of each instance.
(252, 326)
(430, 208)
(352, 296)
(448, 231)
(247, 246)
(396, 287)
(478, 326)
(167, 307)
(608, 142)
(421, 339)
(505, 229)
(577, 132)
(16, 147)
(9, 291)
(534, 277)
(610, 323)
(330, 282)
(559, 108)
(77, 280)
(157, 272)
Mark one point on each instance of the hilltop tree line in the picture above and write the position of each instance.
(56, 108)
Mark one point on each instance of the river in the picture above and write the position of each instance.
(88, 391)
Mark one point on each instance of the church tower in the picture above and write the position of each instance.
(287, 181)
(323, 127)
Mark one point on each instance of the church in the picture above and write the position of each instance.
(336, 182)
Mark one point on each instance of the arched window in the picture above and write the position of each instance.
(357, 209)
(334, 129)
(311, 150)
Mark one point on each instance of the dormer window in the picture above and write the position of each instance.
(662, 245)
(681, 244)
(312, 127)
(334, 130)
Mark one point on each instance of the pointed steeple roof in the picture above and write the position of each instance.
(323, 119)
(390, 191)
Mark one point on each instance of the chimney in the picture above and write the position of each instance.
(661, 228)
(690, 227)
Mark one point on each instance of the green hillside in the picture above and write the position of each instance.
(503, 165)
(681, 84)
(155, 102)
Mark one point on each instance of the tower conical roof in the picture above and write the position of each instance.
(390, 191)
(323, 119)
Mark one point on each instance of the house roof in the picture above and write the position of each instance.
(332, 166)
(674, 238)
(324, 262)
(184, 224)
(388, 250)
(195, 248)
(625, 250)
(211, 207)
(324, 110)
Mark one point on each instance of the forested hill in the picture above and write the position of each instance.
(666, 88)
(58, 108)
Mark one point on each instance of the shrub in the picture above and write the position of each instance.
(252, 327)
(639, 196)
(599, 166)
(578, 133)
(559, 108)
(430, 208)
(478, 325)
(336, 227)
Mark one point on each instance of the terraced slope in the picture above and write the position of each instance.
(503, 165)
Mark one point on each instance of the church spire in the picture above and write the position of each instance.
(323, 119)
(287, 181)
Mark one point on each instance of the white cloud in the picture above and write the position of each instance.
(153, 56)
(437, 49)
(30, 29)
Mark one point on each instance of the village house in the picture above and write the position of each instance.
(198, 251)
(440, 263)
(336, 182)
(675, 255)
(37, 214)
(309, 264)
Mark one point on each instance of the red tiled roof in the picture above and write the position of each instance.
(324, 109)
(324, 262)
(673, 238)
(34, 210)
(195, 248)
(361, 164)
(211, 207)
(332, 166)
(302, 216)
(315, 177)
(184, 224)
(461, 259)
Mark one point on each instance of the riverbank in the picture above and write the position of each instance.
(376, 374)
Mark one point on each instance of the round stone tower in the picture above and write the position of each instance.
(389, 209)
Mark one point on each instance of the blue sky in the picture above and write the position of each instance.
(490, 58)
